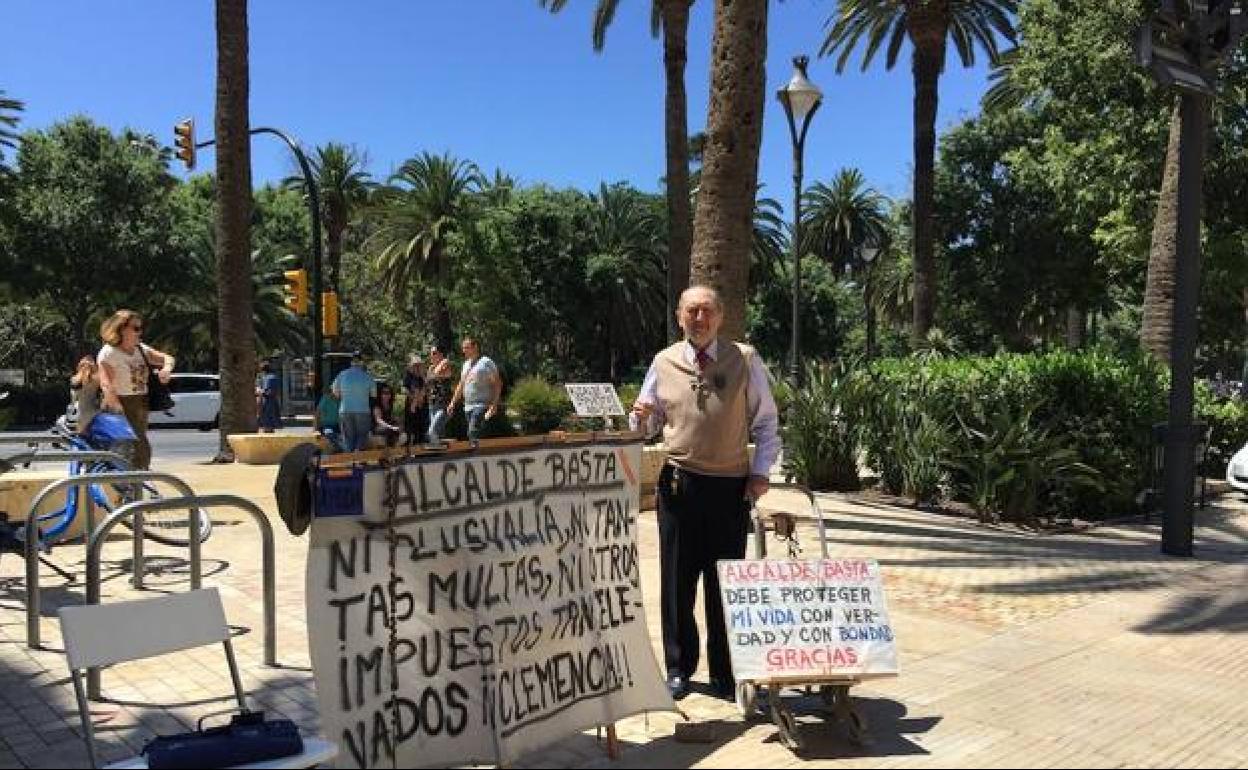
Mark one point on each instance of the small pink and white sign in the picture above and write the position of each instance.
(806, 620)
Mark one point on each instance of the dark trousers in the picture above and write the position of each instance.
(416, 425)
(702, 519)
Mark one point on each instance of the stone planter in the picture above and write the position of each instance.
(268, 448)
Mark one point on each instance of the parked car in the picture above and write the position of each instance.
(196, 401)
(1237, 470)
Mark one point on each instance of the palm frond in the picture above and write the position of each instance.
(968, 24)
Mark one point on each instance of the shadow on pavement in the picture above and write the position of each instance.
(823, 738)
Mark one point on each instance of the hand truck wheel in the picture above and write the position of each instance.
(747, 698)
(787, 726)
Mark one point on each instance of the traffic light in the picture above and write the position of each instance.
(184, 142)
(297, 291)
(329, 313)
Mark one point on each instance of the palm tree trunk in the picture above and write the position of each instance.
(676, 130)
(1158, 315)
(237, 357)
(929, 60)
(723, 222)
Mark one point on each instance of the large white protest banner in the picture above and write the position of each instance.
(513, 579)
(807, 620)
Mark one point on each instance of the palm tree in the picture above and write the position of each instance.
(839, 220)
(625, 274)
(1157, 318)
(671, 17)
(237, 341)
(8, 121)
(427, 200)
(928, 24)
(723, 222)
(344, 187)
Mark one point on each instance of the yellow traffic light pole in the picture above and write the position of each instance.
(184, 138)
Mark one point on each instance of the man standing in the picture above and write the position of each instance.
(710, 397)
(480, 387)
(353, 387)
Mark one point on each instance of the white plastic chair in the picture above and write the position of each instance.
(103, 634)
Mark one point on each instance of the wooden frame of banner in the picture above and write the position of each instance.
(613, 741)
(484, 447)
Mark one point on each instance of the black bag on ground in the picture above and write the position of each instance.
(247, 738)
(158, 397)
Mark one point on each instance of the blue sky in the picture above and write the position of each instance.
(499, 82)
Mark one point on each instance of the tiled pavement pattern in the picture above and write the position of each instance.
(1016, 649)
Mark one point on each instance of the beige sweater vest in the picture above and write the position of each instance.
(708, 421)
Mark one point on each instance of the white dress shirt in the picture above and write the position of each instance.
(764, 419)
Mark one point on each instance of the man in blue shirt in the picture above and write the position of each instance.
(353, 388)
(480, 387)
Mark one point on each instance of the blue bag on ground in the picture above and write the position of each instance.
(247, 738)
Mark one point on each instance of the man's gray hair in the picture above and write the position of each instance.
(718, 300)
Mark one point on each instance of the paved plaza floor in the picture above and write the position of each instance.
(1017, 649)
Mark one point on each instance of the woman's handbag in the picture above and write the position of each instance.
(246, 739)
(158, 397)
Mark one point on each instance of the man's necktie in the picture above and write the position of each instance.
(704, 359)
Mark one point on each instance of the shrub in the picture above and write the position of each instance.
(1006, 461)
(1228, 422)
(820, 437)
(1098, 406)
(538, 406)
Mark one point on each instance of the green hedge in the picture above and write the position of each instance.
(1229, 419)
(1099, 407)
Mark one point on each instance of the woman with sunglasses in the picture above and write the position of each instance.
(124, 364)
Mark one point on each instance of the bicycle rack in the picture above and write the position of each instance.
(33, 599)
(32, 439)
(138, 507)
(63, 456)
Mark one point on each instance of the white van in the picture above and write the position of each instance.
(196, 401)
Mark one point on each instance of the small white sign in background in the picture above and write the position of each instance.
(594, 399)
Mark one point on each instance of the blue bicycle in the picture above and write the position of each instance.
(166, 527)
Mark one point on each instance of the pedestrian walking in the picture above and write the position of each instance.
(480, 388)
(125, 364)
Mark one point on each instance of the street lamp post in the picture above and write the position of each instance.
(801, 98)
(867, 254)
(1183, 45)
